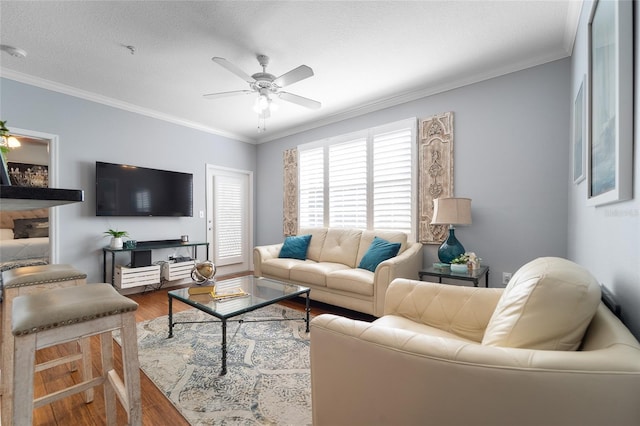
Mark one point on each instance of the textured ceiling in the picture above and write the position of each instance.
(366, 55)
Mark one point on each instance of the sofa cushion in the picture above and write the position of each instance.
(313, 273)
(379, 251)
(359, 281)
(295, 247)
(318, 236)
(341, 246)
(547, 305)
(400, 322)
(279, 267)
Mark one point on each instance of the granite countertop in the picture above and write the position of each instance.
(27, 198)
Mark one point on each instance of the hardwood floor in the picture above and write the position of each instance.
(156, 408)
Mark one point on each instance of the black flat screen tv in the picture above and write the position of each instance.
(124, 190)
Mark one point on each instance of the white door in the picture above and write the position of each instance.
(229, 219)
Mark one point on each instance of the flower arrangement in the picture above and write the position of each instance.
(468, 258)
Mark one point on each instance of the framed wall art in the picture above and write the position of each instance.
(33, 175)
(609, 155)
(579, 154)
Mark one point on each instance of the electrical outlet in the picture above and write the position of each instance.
(506, 276)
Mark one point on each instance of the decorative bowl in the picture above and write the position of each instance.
(459, 268)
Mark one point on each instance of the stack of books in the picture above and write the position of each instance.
(220, 295)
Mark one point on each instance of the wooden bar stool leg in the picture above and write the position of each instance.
(23, 382)
(131, 368)
(106, 345)
(87, 372)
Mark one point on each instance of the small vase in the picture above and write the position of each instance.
(116, 243)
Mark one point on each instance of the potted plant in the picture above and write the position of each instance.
(459, 264)
(465, 262)
(116, 238)
(4, 134)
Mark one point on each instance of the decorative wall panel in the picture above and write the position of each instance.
(435, 165)
(290, 201)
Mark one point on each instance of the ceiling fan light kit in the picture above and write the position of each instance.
(265, 85)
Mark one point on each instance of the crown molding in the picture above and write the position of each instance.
(572, 24)
(104, 100)
(349, 113)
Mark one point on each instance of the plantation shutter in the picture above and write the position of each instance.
(363, 180)
(229, 219)
(311, 198)
(392, 176)
(348, 184)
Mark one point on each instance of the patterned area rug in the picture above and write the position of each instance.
(267, 380)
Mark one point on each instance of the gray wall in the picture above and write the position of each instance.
(511, 157)
(606, 239)
(90, 132)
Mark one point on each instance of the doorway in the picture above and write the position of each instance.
(230, 219)
(32, 163)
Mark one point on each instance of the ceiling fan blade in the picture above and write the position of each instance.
(234, 69)
(305, 102)
(294, 76)
(225, 94)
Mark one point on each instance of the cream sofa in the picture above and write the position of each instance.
(330, 269)
(451, 355)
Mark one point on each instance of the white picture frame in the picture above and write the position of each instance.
(610, 113)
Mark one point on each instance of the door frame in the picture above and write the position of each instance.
(53, 142)
(210, 173)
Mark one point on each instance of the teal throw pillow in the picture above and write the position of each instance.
(379, 251)
(295, 247)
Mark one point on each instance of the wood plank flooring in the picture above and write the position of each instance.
(156, 408)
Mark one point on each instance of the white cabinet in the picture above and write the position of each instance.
(177, 271)
(134, 277)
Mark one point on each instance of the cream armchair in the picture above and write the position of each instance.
(449, 355)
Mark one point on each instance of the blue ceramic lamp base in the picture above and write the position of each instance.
(450, 248)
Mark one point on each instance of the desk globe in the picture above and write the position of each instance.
(203, 273)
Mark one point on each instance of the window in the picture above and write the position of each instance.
(363, 180)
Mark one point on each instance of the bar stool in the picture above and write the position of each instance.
(62, 315)
(30, 280)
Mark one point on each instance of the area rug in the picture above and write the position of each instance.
(267, 380)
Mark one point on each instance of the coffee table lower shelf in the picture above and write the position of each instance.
(261, 292)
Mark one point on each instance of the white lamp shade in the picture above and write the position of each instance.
(451, 211)
(13, 142)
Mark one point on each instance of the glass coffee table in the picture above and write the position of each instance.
(260, 292)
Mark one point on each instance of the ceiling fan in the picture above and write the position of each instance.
(266, 84)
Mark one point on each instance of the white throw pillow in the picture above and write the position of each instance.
(6, 234)
(548, 305)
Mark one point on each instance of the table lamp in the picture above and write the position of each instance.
(451, 211)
